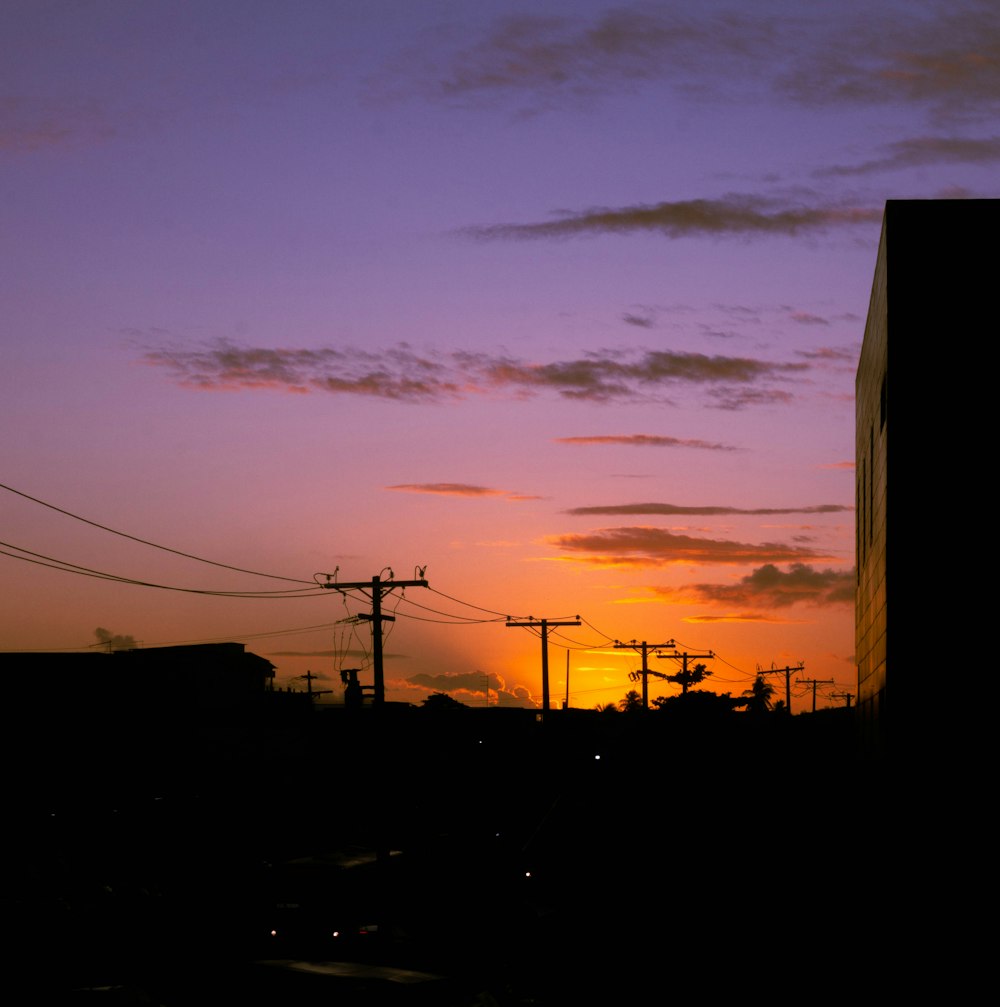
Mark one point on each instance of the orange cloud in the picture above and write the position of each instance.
(650, 547)
(741, 617)
(645, 440)
(674, 510)
(769, 587)
(459, 490)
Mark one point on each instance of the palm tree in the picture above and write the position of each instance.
(632, 701)
(759, 695)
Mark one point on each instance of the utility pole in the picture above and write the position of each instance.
(814, 682)
(787, 672)
(644, 648)
(684, 658)
(309, 676)
(848, 696)
(379, 588)
(544, 624)
(379, 758)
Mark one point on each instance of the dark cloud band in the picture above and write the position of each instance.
(650, 547)
(401, 374)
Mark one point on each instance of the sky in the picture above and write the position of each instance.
(559, 301)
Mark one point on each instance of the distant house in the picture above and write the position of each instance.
(72, 720)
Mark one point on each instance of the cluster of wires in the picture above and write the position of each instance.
(307, 589)
(348, 641)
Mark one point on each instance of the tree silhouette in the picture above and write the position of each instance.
(697, 704)
(441, 701)
(632, 701)
(759, 696)
(685, 678)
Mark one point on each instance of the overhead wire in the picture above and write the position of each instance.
(57, 564)
(142, 541)
(310, 588)
(469, 604)
(456, 618)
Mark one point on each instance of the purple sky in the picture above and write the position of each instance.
(563, 300)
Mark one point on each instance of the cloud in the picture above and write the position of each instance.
(735, 214)
(739, 398)
(451, 681)
(736, 617)
(832, 354)
(651, 547)
(768, 587)
(942, 57)
(646, 440)
(114, 641)
(683, 510)
(399, 373)
(29, 124)
(459, 490)
(805, 318)
(639, 321)
(469, 687)
(946, 58)
(395, 373)
(551, 56)
(921, 151)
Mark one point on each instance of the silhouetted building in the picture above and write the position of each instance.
(933, 298)
(77, 720)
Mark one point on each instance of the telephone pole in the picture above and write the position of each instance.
(787, 672)
(684, 677)
(644, 648)
(544, 625)
(379, 589)
(814, 682)
(309, 676)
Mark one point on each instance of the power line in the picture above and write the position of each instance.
(142, 541)
(57, 564)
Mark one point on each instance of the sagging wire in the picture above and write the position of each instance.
(142, 541)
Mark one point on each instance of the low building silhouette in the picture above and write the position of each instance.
(80, 723)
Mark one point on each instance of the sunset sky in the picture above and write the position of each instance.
(560, 300)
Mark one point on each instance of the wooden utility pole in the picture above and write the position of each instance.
(814, 682)
(644, 648)
(379, 588)
(544, 625)
(848, 696)
(309, 676)
(787, 672)
(684, 658)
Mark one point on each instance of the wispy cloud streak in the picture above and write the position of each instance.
(681, 510)
(940, 56)
(652, 547)
(459, 490)
(645, 441)
(735, 214)
(399, 373)
(919, 152)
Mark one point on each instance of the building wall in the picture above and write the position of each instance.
(871, 487)
(925, 552)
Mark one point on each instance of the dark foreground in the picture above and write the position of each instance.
(450, 861)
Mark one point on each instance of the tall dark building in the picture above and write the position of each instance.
(933, 299)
